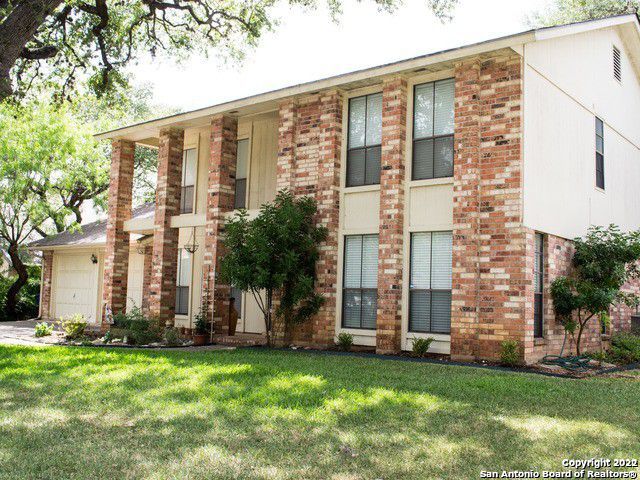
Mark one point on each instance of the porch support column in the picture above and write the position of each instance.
(162, 289)
(117, 248)
(47, 277)
(391, 230)
(328, 216)
(220, 201)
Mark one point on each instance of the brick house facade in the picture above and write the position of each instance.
(354, 143)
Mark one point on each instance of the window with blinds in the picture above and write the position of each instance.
(364, 140)
(183, 282)
(360, 284)
(430, 284)
(242, 166)
(433, 121)
(599, 153)
(188, 180)
(538, 278)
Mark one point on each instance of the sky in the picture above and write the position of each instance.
(307, 46)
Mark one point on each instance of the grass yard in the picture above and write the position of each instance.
(89, 413)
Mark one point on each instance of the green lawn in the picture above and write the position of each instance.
(89, 413)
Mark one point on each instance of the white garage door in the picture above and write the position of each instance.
(75, 285)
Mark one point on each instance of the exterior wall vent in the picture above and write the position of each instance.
(617, 64)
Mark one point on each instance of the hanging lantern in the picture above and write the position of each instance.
(191, 246)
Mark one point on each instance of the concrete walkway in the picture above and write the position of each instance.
(22, 333)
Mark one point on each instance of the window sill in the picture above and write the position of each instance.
(365, 332)
(601, 190)
(431, 181)
(438, 337)
(362, 188)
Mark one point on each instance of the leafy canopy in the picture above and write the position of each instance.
(604, 260)
(561, 12)
(276, 253)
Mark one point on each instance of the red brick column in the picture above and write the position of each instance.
(162, 289)
(465, 294)
(287, 118)
(328, 199)
(117, 249)
(391, 233)
(146, 278)
(47, 276)
(492, 295)
(220, 199)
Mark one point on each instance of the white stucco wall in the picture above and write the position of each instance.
(569, 81)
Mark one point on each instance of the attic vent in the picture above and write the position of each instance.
(617, 64)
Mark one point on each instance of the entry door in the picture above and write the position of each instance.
(252, 316)
(75, 285)
(134, 280)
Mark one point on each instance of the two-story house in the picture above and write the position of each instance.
(451, 185)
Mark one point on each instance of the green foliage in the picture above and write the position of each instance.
(93, 43)
(510, 353)
(200, 324)
(27, 305)
(276, 253)
(73, 326)
(172, 337)
(604, 260)
(561, 12)
(345, 341)
(625, 348)
(420, 346)
(136, 327)
(43, 329)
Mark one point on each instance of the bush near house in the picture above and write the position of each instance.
(137, 328)
(28, 298)
(73, 326)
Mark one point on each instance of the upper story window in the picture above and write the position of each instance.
(364, 140)
(433, 120)
(360, 289)
(183, 282)
(188, 180)
(430, 284)
(599, 153)
(242, 166)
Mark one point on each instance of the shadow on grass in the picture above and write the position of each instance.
(79, 413)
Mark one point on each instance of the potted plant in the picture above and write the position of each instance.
(200, 333)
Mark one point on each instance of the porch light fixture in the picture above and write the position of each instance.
(191, 246)
(94, 259)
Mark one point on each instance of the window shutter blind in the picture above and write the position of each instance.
(353, 261)
(421, 261)
(351, 300)
(441, 312)
(369, 261)
(441, 257)
(369, 308)
(355, 167)
(422, 159)
(373, 159)
(423, 111)
(357, 112)
(443, 157)
(189, 167)
(443, 116)
(374, 119)
(419, 311)
(242, 162)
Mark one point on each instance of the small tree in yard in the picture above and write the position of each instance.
(275, 254)
(604, 260)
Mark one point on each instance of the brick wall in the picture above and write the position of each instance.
(309, 146)
(162, 288)
(391, 233)
(47, 278)
(119, 210)
(490, 279)
(146, 278)
(220, 199)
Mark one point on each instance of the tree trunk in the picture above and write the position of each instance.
(269, 316)
(16, 31)
(580, 330)
(21, 281)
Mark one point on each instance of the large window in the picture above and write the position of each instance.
(360, 290)
(430, 288)
(364, 141)
(599, 153)
(538, 276)
(188, 180)
(183, 282)
(433, 121)
(242, 165)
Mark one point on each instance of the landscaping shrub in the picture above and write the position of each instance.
(625, 348)
(172, 337)
(420, 346)
(345, 341)
(136, 327)
(510, 353)
(28, 298)
(43, 329)
(73, 326)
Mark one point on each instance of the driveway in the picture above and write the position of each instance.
(21, 333)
